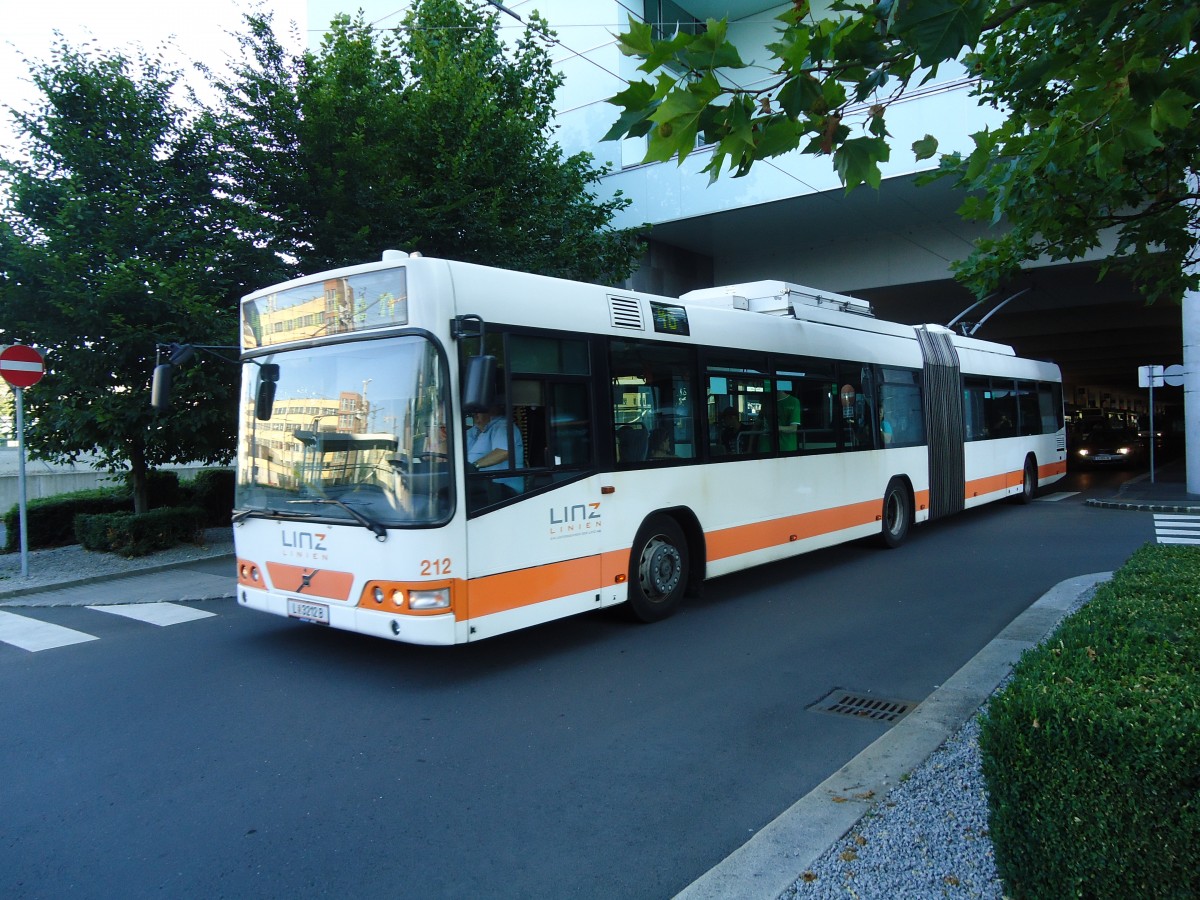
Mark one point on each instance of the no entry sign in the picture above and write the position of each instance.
(21, 366)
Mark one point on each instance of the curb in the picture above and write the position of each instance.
(769, 863)
(1171, 506)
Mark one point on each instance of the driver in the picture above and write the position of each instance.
(487, 441)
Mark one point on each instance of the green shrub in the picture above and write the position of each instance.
(212, 490)
(50, 520)
(1092, 752)
(138, 534)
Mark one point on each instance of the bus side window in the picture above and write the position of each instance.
(654, 389)
(570, 425)
(739, 392)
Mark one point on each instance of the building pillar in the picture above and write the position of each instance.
(1191, 388)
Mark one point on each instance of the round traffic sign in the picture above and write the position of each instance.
(21, 366)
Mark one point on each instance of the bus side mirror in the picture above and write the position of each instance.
(264, 400)
(160, 388)
(479, 384)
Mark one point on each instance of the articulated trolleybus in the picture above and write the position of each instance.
(436, 452)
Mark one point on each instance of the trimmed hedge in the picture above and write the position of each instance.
(139, 534)
(51, 520)
(1092, 752)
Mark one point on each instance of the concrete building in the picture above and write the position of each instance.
(790, 219)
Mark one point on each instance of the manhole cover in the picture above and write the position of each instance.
(862, 706)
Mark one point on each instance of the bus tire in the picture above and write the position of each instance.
(1029, 482)
(658, 569)
(897, 514)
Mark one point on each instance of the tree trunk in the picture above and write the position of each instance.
(137, 477)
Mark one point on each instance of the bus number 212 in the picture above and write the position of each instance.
(435, 567)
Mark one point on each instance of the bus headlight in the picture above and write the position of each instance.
(435, 599)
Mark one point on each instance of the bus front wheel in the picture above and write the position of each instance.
(658, 569)
(897, 513)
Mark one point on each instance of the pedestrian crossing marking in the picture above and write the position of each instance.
(1177, 529)
(34, 635)
(1054, 498)
(161, 614)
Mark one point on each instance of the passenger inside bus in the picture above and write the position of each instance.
(660, 443)
(632, 442)
(730, 427)
(787, 421)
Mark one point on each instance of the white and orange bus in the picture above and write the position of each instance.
(636, 445)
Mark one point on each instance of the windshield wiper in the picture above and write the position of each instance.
(268, 511)
(378, 530)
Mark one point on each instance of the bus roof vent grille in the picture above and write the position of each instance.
(626, 312)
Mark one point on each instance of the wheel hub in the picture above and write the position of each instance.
(660, 570)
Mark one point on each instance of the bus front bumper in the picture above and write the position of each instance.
(435, 630)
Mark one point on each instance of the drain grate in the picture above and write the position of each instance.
(844, 703)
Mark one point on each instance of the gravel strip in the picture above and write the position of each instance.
(927, 838)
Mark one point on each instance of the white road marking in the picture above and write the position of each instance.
(162, 614)
(1054, 498)
(1176, 529)
(33, 634)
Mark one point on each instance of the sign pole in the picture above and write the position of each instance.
(19, 395)
(21, 367)
(1153, 434)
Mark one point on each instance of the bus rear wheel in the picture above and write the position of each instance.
(658, 569)
(897, 514)
(1029, 482)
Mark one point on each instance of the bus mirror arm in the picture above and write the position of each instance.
(479, 380)
(168, 356)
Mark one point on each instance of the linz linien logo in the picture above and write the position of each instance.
(304, 545)
(570, 521)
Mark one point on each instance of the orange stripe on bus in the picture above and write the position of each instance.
(313, 582)
(992, 483)
(512, 590)
(1058, 468)
(524, 587)
(760, 535)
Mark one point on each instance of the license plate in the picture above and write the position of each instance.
(309, 612)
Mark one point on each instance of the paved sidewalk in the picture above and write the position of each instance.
(1167, 493)
(72, 576)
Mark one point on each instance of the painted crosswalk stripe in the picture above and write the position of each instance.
(1054, 498)
(155, 613)
(1177, 529)
(33, 635)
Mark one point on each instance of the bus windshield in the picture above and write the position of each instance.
(357, 432)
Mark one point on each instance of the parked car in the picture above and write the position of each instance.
(1109, 446)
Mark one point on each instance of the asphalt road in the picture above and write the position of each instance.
(243, 755)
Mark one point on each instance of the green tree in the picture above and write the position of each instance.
(113, 239)
(434, 137)
(1099, 98)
